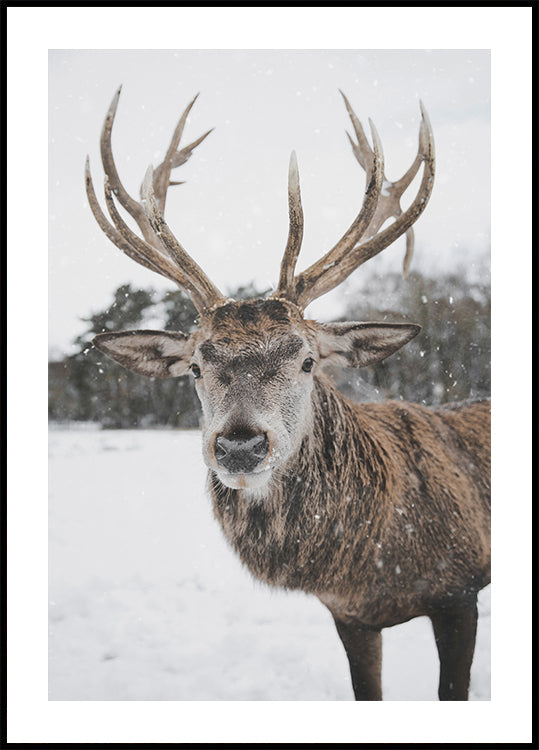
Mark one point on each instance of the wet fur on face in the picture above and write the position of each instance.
(250, 356)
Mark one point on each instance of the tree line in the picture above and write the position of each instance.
(448, 361)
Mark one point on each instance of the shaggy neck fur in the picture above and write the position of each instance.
(289, 534)
(368, 481)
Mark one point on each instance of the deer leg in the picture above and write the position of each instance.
(455, 626)
(363, 647)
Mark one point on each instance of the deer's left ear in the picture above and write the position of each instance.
(361, 344)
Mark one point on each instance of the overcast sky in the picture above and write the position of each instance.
(231, 214)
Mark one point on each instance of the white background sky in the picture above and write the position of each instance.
(232, 214)
(31, 33)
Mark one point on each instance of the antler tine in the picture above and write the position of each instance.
(205, 289)
(151, 260)
(362, 150)
(318, 278)
(143, 249)
(132, 245)
(295, 232)
(174, 158)
(389, 202)
(338, 264)
(404, 221)
(109, 167)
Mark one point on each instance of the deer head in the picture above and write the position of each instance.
(256, 362)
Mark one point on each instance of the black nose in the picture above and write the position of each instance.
(240, 452)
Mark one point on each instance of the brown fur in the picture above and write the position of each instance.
(380, 510)
(382, 513)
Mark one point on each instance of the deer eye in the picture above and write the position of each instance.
(308, 364)
(195, 369)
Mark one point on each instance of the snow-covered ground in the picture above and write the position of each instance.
(147, 601)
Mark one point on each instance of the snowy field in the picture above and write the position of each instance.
(147, 602)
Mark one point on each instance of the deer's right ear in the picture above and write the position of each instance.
(156, 354)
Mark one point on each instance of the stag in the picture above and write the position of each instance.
(381, 510)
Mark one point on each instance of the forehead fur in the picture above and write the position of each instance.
(268, 315)
(256, 327)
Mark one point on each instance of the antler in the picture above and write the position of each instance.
(295, 232)
(362, 240)
(161, 252)
(159, 246)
